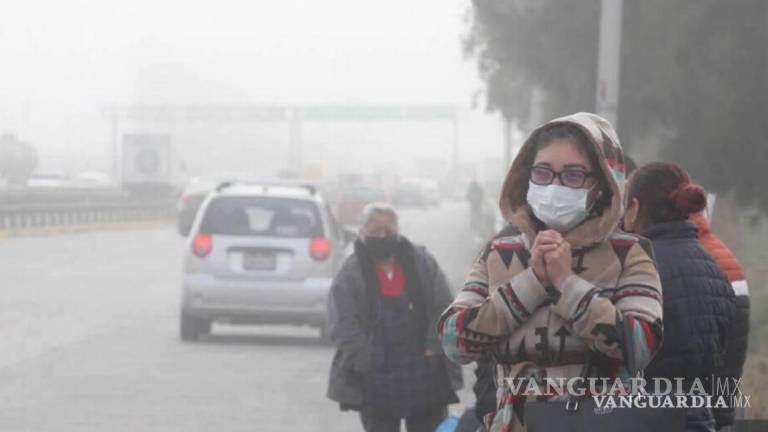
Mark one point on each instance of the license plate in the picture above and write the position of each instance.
(259, 261)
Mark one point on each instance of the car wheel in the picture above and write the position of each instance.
(204, 326)
(191, 327)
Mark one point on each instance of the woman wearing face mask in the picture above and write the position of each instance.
(383, 306)
(560, 284)
(699, 304)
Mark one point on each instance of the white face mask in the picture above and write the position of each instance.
(559, 207)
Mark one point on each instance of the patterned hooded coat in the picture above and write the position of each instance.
(611, 306)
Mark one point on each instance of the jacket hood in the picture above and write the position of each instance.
(604, 142)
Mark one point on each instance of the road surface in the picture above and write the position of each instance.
(89, 328)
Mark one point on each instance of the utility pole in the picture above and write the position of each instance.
(609, 59)
(295, 147)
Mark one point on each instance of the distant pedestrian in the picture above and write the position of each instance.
(383, 308)
(475, 197)
(475, 193)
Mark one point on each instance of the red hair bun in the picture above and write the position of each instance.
(689, 198)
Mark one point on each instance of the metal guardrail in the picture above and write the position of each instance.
(63, 214)
(79, 207)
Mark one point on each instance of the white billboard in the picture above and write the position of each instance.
(146, 158)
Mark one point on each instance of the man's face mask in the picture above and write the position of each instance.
(382, 247)
(559, 207)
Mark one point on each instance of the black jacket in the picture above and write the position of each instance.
(699, 306)
(349, 321)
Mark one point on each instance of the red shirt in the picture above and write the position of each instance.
(390, 285)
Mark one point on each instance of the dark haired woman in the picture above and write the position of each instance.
(560, 284)
(698, 299)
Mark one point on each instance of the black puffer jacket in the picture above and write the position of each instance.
(699, 308)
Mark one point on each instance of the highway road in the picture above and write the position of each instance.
(89, 323)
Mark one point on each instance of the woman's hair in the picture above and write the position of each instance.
(567, 132)
(573, 133)
(665, 192)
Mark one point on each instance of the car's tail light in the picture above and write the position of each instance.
(186, 198)
(320, 248)
(202, 245)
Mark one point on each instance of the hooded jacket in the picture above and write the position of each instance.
(611, 306)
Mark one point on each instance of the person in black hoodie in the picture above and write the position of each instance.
(699, 304)
(382, 311)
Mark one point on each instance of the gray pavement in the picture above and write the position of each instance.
(89, 324)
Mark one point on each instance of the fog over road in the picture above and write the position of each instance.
(89, 324)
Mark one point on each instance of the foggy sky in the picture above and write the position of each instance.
(63, 61)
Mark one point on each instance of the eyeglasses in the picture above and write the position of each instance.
(572, 178)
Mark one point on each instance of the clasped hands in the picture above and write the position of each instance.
(551, 258)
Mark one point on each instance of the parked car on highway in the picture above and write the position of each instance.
(49, 179)
(92, 179)
(260, 253)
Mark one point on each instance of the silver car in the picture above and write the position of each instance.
(260, 253)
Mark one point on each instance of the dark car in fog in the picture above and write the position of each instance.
(351, 200)
(260, 254)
